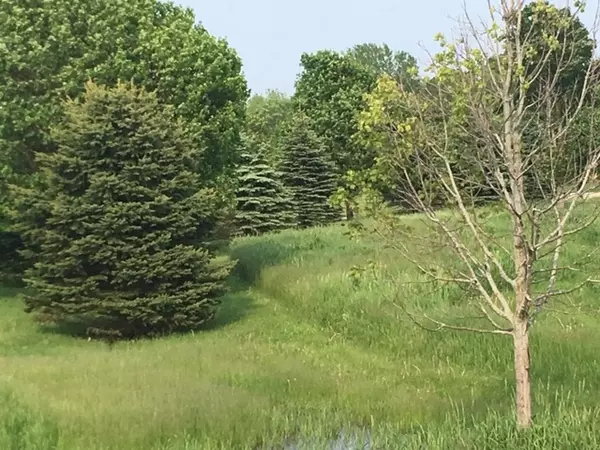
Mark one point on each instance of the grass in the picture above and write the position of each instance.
(303, 355)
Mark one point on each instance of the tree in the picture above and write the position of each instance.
(267, 118)
(388, 107)
(308, 175)
(121, 225)
(330, 91)
(11, 265)
(50, 49)
(262, 201)
(563, 40)
(382, 60)
(483, 93)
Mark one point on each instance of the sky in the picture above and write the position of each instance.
(270, 35)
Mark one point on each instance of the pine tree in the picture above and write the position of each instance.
(262, 201)
(309, 175)
(121, 249)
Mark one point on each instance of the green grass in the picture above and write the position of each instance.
(301, 352)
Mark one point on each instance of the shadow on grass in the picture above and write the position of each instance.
(255, 254)
(252, 256)
(9, 292)
(235, 306)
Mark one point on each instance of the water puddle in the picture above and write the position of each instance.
(355, 440)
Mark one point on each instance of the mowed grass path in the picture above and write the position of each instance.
(301, 352)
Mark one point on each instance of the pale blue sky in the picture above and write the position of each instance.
(270, 35)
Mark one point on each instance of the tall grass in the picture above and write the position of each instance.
(309, 351)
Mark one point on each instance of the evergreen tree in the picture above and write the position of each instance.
(309, 175)
(121, 229)
(262, 201)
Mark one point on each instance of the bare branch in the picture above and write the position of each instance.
(444, 326)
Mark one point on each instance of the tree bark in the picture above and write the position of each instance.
(349, 211)
(522, 377)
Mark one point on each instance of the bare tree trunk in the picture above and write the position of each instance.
(349, 211)
(523, 381)
(522, 258)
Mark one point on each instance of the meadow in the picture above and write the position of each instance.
(304, 354)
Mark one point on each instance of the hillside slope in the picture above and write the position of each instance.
(308, 347)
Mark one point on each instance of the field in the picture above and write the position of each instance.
(303, 355)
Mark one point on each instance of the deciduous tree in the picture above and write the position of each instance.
(330, 91)
(483, 89)
(49, 49)
(556, 38)
(382, 60)
(267, 119)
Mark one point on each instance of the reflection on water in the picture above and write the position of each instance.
(355, 440)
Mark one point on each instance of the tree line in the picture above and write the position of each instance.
(130, 155)
(131, 152)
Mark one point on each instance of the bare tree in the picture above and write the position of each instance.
(498, 121)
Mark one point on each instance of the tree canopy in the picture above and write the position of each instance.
(50, 49)
(330, 91)
(267, 118)
(556, 38)
(382, 60)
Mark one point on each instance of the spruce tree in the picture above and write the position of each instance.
(121, 247)
(309, 175)
(262, 201)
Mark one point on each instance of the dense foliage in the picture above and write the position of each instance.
(267, 118)
(309, 175)
(11, 262)
(562, 37)
(122, 221)
(49, 50)
(382, 60)
(333, 138)
(263, 204)
(382, 122)
(330, 91)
